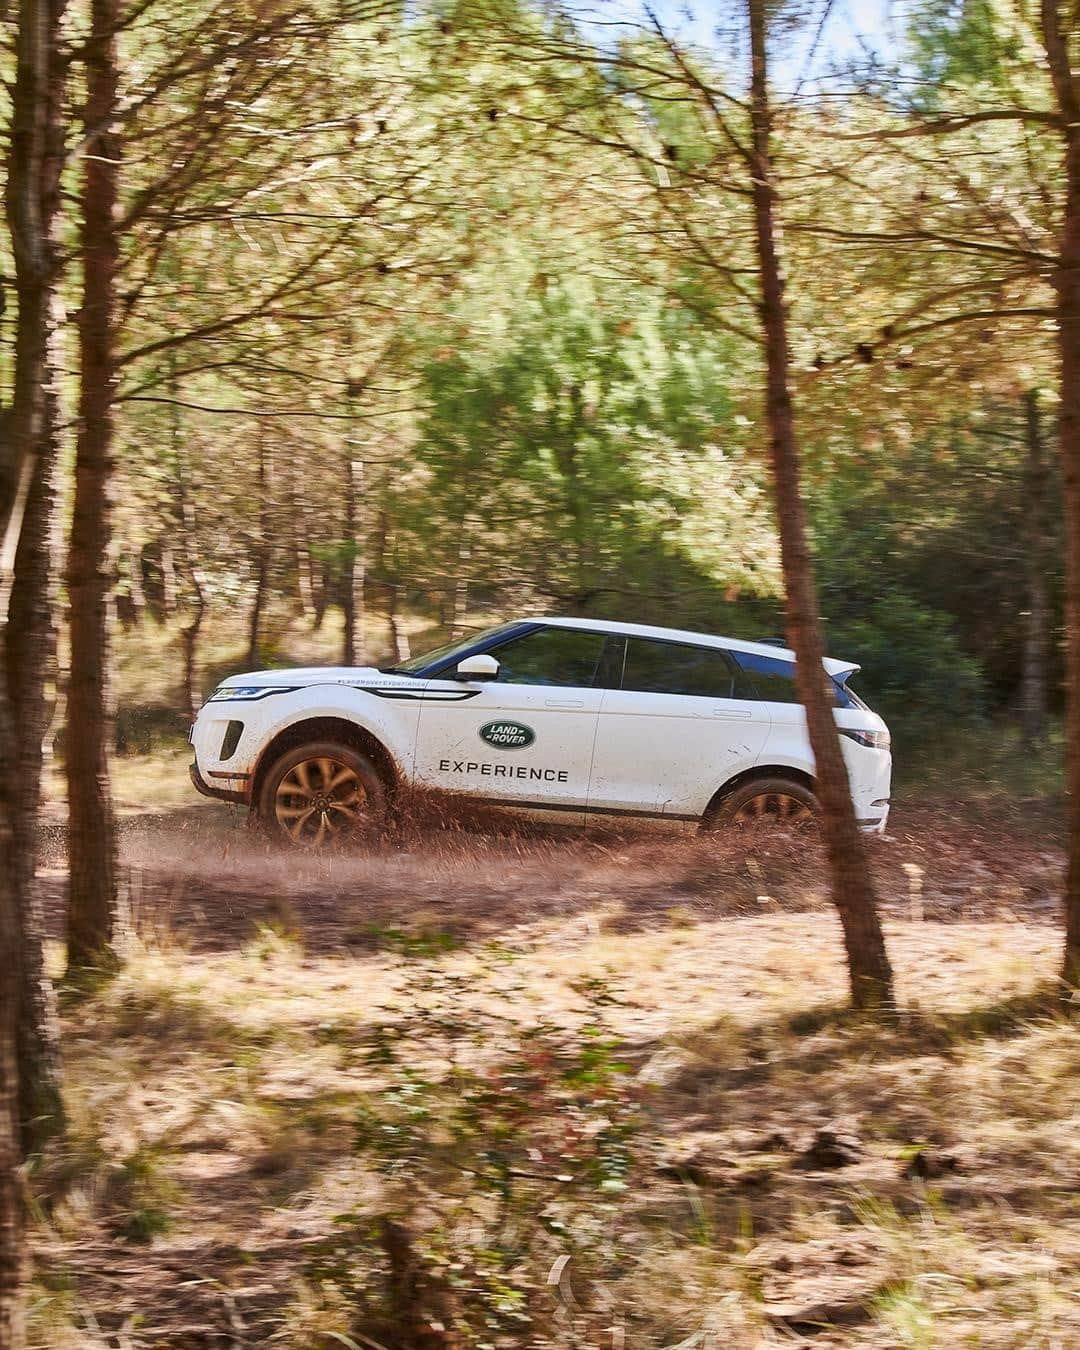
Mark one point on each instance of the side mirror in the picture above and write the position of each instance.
(477, 667)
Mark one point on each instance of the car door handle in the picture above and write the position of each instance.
(731, 712)
(564, 703)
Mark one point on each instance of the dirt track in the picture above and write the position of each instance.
(215, 1085)
(205, 874)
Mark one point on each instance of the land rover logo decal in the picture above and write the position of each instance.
(507, 735)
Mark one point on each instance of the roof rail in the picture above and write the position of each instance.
(773, 642)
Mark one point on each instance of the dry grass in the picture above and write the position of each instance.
(586, 1079)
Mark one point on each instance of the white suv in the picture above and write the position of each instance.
(565, 719)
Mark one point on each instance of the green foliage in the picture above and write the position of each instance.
(523, 1136)
(959, 42)
(913, 667)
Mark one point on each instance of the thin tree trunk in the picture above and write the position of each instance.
(321, 596)
(262, 555)
(399, 635)
(305, 581)
(352, 646)
(136, 591)
(168, 580)
(1067, 286)
(30, 669)
(12, 1221)
(460, 601)
(35, 162)
(196, 582)
(1036, 553)
(27, 1078)
(299, 546)
(93, 906)
(852, 888)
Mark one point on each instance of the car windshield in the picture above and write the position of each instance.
(450, 650)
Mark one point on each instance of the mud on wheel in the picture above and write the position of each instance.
(321, 796)
(775, 801)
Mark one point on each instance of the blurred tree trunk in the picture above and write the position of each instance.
(298, 541)
(852, 887)
(1067, 285)
(93, 907)
(262, 552)
(12, 1243)
(352, 600)
(184, 506)
(168, 580)
(29, 1097)
(27, 511)
(136, 590)
(399, 634)
(459, 602)
(192, 627)
(31, 675)
(321, 597)
(1036, 554)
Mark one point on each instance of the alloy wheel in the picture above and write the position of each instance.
(318, 801)
(774, 806)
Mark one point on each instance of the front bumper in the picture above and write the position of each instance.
(238, 789)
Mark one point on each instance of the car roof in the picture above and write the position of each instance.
(645, 630)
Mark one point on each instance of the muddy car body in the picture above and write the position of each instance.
(569, 720)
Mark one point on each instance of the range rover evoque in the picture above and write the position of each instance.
(572, 720)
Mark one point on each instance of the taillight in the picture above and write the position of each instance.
(873, 740)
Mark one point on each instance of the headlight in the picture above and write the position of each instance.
(248, 693)
(874, 740)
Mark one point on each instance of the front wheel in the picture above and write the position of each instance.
(774, 801)
(320, 796)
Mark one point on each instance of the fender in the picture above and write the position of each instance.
(391, 719)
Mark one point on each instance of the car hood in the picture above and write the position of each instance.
(296, 677)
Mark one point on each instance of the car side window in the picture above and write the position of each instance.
(562, 656)
(609, 672)
(678, 668)
(773, 678)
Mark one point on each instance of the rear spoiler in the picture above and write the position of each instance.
(841, 671)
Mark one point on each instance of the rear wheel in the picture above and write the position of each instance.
(321, 796)
(771, 801)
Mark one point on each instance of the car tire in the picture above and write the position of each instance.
(780, 801)
(321, 796)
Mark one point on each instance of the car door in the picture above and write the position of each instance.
(680, 722)
(524, 739)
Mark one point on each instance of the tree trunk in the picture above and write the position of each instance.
(399, 635)
(459, 611)
(168, 580)
(1067, 287)
(300, 545)
(262, 555)
(852, 888)
(321, 595)
(93, 907)
(136, 591)
(30, 670)
(28, 1093)
(12, 1243)
(352, 600)
(196, 582)
(1036, 553)
(27, 515)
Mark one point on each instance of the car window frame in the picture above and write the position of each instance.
(722, 652)
(531, 629)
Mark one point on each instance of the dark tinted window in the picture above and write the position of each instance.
(773, 678)
(610, 670)
(676, 668)
(550, 656)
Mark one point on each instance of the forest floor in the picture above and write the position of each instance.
(513, 1088)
